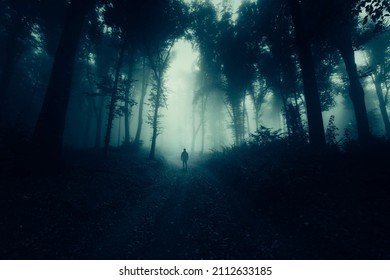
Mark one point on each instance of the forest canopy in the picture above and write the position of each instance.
(106, 73)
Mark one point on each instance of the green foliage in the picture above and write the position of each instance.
(267, 161)
(264, 136)
(150, 22)
(378, 11)
(105, 87)
(331, 132)
(157, 99)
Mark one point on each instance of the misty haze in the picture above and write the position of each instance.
(194, 129)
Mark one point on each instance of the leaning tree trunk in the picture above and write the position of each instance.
(49, 131)
(313, 105)
(356, 92)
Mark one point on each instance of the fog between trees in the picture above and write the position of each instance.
(201, 75)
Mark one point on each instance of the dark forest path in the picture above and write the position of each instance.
(138, 209)
(129, 207)
(191, 215)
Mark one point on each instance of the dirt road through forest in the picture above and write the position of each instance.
(191, 215)
(123, 208)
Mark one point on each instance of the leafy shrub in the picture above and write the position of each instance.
(331, 132)
(264, 136)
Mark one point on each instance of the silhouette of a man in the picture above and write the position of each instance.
(184, 159)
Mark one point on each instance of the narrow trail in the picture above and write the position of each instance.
(191, 215)
(124, 209)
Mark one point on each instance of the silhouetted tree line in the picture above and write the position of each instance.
(301, 54)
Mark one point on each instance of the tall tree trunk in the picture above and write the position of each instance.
(158, 66)
(119, 131)
(245, 118)
(98, 109)
(257, 117)
(99, 121)
(87, 130)
(257, 108)
(203, 121)
(356, 92)
(155, 119)
(12, 50)
(6, 75)
(49, 131)
(126, 140)
(114, 99)
(287, 114)
(195, 130)
(236, 114)
(127, 107)
(313, 105)
(377, 80)
(145, 80)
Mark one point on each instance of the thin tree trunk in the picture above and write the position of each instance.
(236, 122)
(356, 92)
(12, 55)
(5, 79)
(204, 101)
(287, 115)
(257, 109)
(99, 123)
(246, 118)
(203, 121)
(87, 130)
(114, 99)
(119, 131)
(242, 124)
(257, 121)
(155, 121)
(382, 104)
(195, 130)
(49, 131)
(98, 110)
(158, 69)
(145, 79)
(313, 105)
(126, 140)
(127, 111)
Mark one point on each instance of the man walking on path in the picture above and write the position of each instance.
(184, 158)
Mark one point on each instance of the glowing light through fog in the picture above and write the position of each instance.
(180, 84)
(180, 79)
(360, 58)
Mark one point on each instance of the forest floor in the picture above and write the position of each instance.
(129, 207)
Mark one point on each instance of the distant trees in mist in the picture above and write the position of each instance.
(70, 68)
